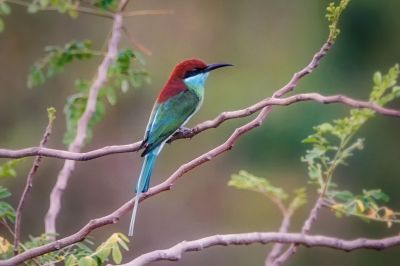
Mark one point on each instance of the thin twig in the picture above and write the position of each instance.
(29, 183)
(214, 123)
(136, 43)
(80, 9)
(81, 132)
(148, 12)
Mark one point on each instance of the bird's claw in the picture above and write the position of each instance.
(182, 131)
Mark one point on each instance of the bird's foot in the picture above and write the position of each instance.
(184, 131)
(181, 132)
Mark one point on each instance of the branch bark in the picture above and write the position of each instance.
(312, 217)
(214, 123)
(175, 253)
(78, 142)
(29, 182)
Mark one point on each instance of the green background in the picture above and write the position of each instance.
(267, 41)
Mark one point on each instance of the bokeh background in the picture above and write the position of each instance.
(267, 41)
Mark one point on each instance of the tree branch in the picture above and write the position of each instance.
(284, 228)
(81, 132)
(175, 253)
(214, 123)
(29, 180)
(312, 217)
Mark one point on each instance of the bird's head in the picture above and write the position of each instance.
(192, 67)
(194, 71)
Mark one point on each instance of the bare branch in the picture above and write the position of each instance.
(148, 12)
(284, 228)
(277, 247)
(29, 182)
(81, 132)
(304, 230)
(175, 253)
(136, 43)
(214, 123)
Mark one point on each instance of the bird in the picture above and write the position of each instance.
(180, 98)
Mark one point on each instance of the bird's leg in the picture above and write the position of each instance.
(182, 131)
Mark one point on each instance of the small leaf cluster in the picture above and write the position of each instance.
(110, 5)
(6, 249)
(37, 241)
(7, 212)
(333, 15)
(247, 181)
(111, 247)
(62, 6)
(79, 254)
(122, 74)
(365, 205)
(8, 168)
(4, 11)
(56, 59)
(332, 145)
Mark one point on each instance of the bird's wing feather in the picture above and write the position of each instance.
(168, 117)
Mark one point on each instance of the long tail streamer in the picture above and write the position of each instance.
(143, 183)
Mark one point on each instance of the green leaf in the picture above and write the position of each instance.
(245, 180)
(6, 210)
(103, 253)
(71, 260)
(4, 8)
(106, 4)
(8, 169)
(111, 95)
(1, 25)
(377, 78)
(116, 254)
(56, 58)
(87, 261)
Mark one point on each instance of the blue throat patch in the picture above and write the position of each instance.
(196, 82)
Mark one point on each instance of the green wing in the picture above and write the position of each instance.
(169, 116)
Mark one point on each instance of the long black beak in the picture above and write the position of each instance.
(211, 67)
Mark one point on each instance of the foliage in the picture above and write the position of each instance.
(80, 254)
(106, 4)
(57, 58)
(333, 144)
(122, 74)
(65, 6)
(7, 212)
(8, 168)
(111, 247)
(247, 181)
(4, 11)
(333, 15)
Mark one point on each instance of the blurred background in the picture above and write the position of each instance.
(267, 41)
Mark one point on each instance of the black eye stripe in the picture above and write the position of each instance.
(192, 73)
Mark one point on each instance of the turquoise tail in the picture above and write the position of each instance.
(143, 182)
